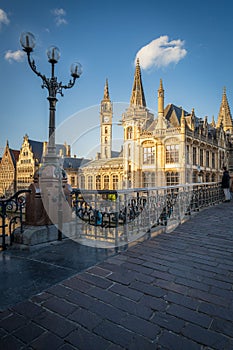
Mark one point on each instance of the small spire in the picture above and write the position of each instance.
(137, 96)
(161, 85)
(182, 113)
(160, 89)
(213, 122)
(224, 115)
(106, 91)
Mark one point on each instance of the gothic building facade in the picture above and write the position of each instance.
(30, 157)
(17, 167)
(175, 147)
(8, 171)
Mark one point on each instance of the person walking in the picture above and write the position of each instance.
(226, 184)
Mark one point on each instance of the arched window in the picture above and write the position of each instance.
(129, 150)
(172, 154)
(172, 178)
(82, 181)
(148, 179)
(148, 155)
(114, 182)
(106, 182)
(72, 181)
(207, 158)
(213, 160)
(90, 183)
(98, 182)
(129, 133)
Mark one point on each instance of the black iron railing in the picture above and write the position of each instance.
(117, 217)
(121, 215)
(11, 215)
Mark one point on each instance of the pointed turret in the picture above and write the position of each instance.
(182, 115)
(137, 96)
(182, 121)
(161, 121)
(224, 115)
(161, 99)
(106, 92)
(213, 122)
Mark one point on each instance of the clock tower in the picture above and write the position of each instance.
(106, 125)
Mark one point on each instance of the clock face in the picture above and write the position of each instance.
(106, 119)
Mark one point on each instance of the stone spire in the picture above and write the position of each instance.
(224, 115)
(106, 92)
(213, 122)
(137, 96)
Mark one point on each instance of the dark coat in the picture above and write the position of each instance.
(225, 179)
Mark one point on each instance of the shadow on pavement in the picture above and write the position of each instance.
(25, 273)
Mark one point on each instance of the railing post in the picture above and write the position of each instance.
(117, 207)
(149, 214)
(4, 226)
(126, 218)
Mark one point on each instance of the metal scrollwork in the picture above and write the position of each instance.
(11, 214)
(108, 218)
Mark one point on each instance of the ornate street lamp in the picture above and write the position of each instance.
(51, 174)
(54, 87)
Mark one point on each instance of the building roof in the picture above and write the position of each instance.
(100, 163)
(37, 149)
(173, 114)
(74, 163)
(14, 155)
(116, 154)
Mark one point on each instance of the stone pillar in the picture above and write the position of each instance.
(36, 214)
(50, 198)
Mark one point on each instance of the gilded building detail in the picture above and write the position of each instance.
(8, 171)
(171, 148)
(30, 158)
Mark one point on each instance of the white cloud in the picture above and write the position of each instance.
(59, 21)
(59, 12)
(3, 18)
(161, 52)
(17, 56)
(59, 15)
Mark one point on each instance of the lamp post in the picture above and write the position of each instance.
(51, 186)
(54, 87)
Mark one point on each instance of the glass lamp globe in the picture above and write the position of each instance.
(53, 54)
(76, 70)
(27, 40)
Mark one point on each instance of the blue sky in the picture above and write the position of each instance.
(186, 43)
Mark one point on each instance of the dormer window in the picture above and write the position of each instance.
(129, 133)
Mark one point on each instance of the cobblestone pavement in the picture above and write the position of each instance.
(174, 291)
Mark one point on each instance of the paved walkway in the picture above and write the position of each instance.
(174, 291)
